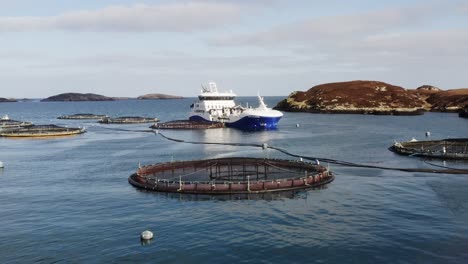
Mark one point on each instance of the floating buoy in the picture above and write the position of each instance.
(297, 125)
(1, 164)
(428, 133)
(264, 146)
(147, 235)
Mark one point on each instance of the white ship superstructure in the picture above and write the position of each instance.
(215, 106)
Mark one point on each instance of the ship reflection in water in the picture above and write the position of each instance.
(268, 196)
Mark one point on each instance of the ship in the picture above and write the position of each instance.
(220, 107)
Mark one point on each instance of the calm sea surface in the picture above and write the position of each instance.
(68, 200)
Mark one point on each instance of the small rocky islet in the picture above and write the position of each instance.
(157, 96)
(79, 97)
(374, 97)
(7, 100)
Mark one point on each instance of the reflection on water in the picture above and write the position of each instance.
(145, 242)
(268, 196)
(231, 135)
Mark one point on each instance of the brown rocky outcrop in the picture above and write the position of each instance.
(428, 89)
(156, 96)
(448, 101)
(357, 97)
(374, 97)
(424, 92)
(71, 97)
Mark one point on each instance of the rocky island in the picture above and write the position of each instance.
(74, 97)
(373, 97)
(6, 100)
(356, 97)
(156, 96)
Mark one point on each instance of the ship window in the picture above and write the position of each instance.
(215, 98)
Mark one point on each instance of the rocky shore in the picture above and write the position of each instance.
(464, 112)
(373, 97)
(72, 97)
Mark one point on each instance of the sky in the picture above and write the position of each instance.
(270, 47)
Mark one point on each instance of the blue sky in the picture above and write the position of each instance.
(274, 47)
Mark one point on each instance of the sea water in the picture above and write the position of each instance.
(67, 200)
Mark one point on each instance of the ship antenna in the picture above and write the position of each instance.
(260, 100)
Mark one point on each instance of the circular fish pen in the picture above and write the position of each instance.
(41, 131)
(230, 176)
(453, 148)
(82, 116)
(128, 120)
(187, 124)
(8, 123)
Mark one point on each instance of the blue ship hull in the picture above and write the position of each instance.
(255, 123)
(248, 122)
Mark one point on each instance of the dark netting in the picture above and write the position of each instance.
(187, 124)
(446, 148)
(128, 120)
(13, 123)
(83, 116)
(230, 175)
(40, 130)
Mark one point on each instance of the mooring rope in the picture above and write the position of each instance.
(446, 170)
(331, 161)
(442, 166)
(126, 130)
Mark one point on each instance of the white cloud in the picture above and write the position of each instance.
(176, 63)
(385, 39)
(178, 17)
(332, 29)
(433, 43)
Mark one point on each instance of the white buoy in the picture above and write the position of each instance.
(297, 125)
(147, 235)
(428, 133)
(1, 165)
(264, 146)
